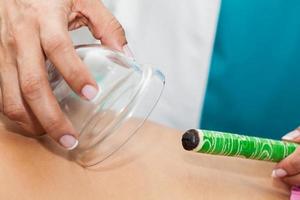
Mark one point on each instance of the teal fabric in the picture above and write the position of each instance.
(254, 80)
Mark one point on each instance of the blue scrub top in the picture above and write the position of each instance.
(254, 80)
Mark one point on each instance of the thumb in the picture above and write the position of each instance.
(291, 164)
(103, 25)
(288, 166)
(293, 136)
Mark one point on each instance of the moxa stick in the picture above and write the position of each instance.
(227, 144)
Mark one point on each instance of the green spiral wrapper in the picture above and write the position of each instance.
(228, 144)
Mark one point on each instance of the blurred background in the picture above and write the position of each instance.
(177, 38)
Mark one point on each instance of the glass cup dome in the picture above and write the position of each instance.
(128, 91)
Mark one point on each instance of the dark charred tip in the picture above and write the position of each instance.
(190, 139)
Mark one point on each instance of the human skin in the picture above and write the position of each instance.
(30, 31)
(152, 165)
(288, 170)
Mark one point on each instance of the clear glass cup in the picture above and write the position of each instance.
(128, 93)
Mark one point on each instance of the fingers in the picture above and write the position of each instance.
(289, 166)
(103, 25)
(288, 170)
(12, 104)
(293, 136)
(37, 92)
(292, 180)
(58, 47)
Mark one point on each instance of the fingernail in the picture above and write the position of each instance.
(127, 51)
(278, 173)
(291, 135)
(68, 141)
(89, 92)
